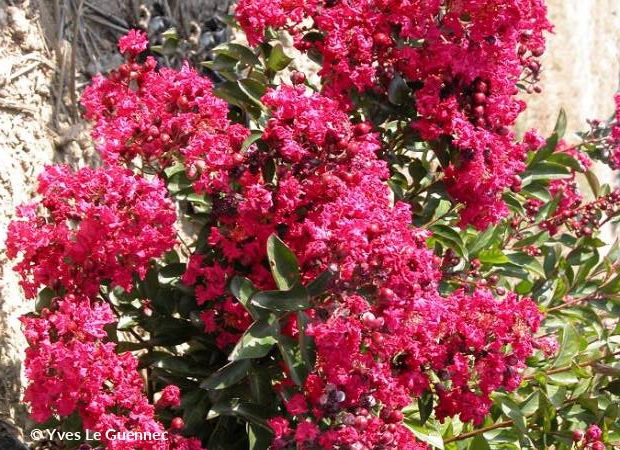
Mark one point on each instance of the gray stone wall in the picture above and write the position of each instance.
(581, 66)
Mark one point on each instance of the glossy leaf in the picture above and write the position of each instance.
(257, 341)
(283, 263)
(227, 376)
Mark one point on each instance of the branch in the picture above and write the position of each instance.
(589, 363)
(504, 424)
(510, 422)
(460, 437)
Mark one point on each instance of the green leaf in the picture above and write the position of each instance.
(44, 298)
(481, 240)
(546, 171)
(425, 434)
(243, 289)
(585, 269)
(170, 33)
(493, 256)
(278, 60)
(306, 343)
(595, 185)
(233, 94)
(295, 299)
(539, 190)
(320, 283)
(611, 287)
(283, 263)
(251, 139)
(535, 239)
(196, 199)
(566, 378)
(178, 183)
(127, 346)
(560, 124)
(172, 332)
(180, 366)
(551, 259)
(195, 404)
(546, 410)
(425, 406)
(259, 438)
(171, 272)
(228, 375)
(257, 341)
(398, 91)
(513, 203)
(222, 63)
(292, 358)
(512, 410)
(580, 256)
(151, 283)
(261, 388)
(569, 346)
(254, 90)
(546, 151)
(128, 321)
(479, 443)
(238, 52)
(566, 160)
(528, 262)
(451, 238)
(173, 170)
(250, 412)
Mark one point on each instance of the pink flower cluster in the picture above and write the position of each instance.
(375, 354)
(383, 333)
(92, 225)
(72, 368)
(133, 43)
(565, 191)
(160, 115)
(592, 438)
(614, 159)
(461, 60)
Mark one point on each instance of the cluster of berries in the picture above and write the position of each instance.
(591, 439)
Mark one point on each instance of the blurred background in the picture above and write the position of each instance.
(49, 49)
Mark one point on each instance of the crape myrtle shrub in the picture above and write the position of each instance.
(380, 263)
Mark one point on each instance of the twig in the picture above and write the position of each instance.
(425, 188)
(120, 22)
(507, 423)
(5, 104)
(589, 363)
(61, 85)
(184, 245)
(118, 316)
(460, 437)
(61, 24)
(107, 23)
(23, 71)
(453, 209)
(74, 47)
(504, 424)
(89, 50)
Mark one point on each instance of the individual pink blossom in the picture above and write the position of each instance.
(133, 43)
(170, 397)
